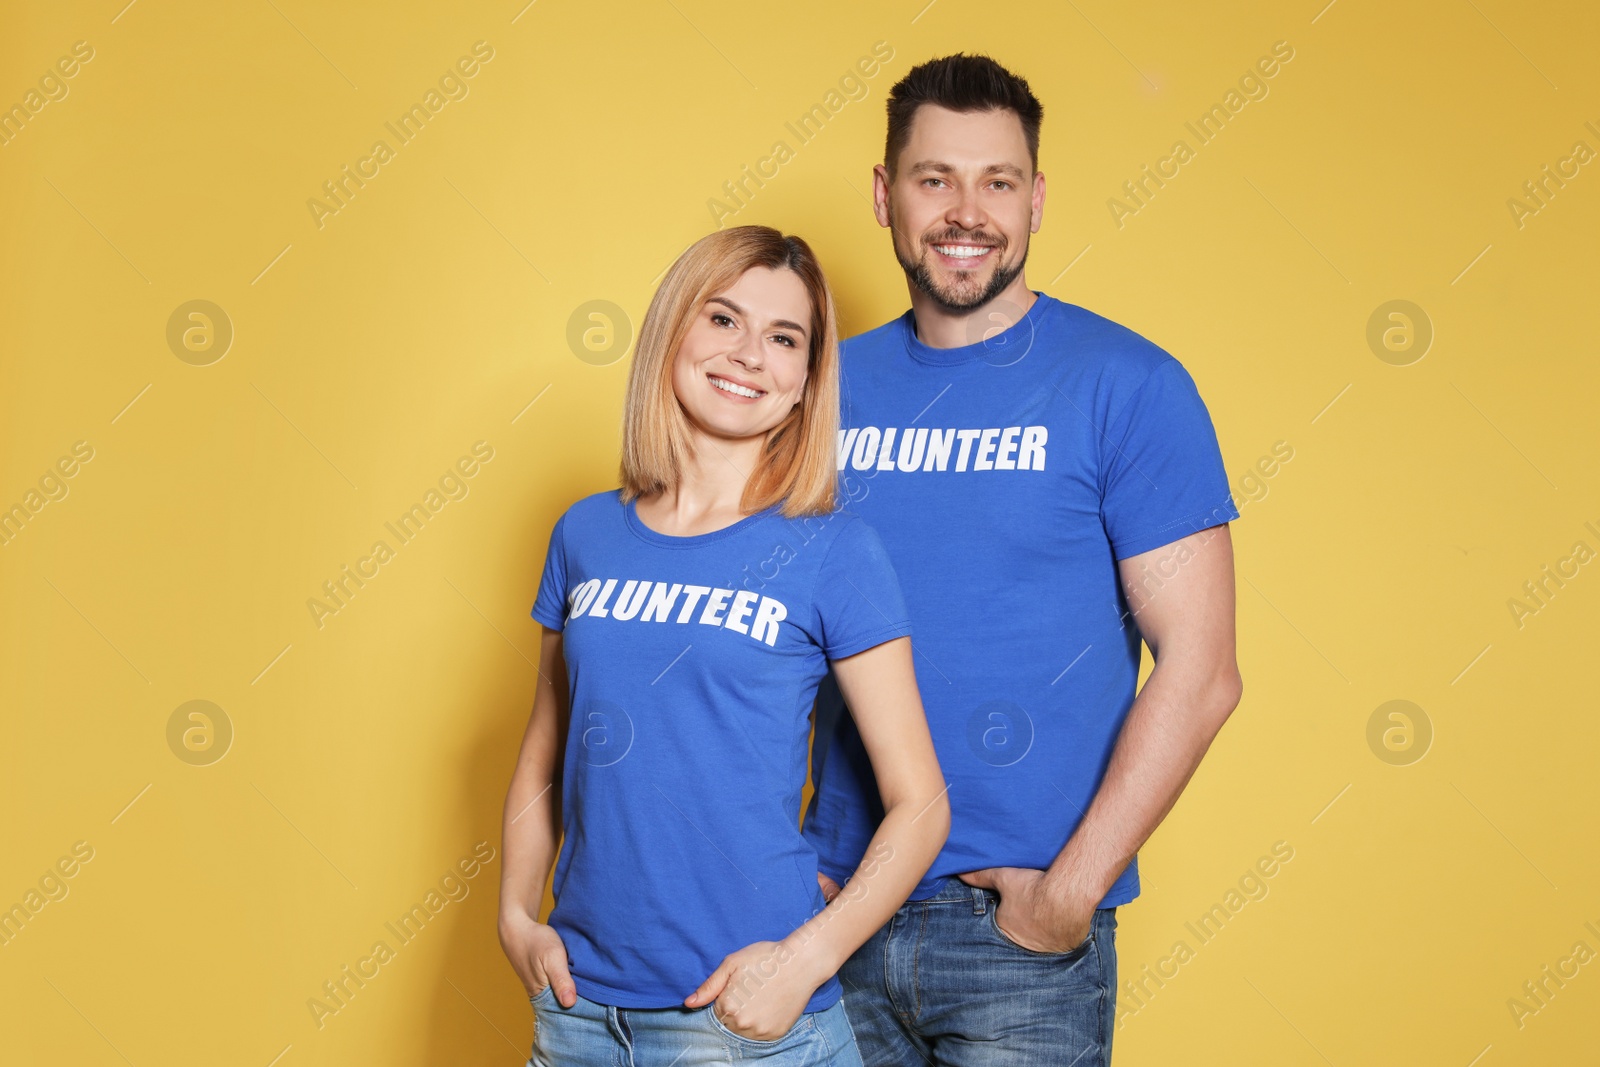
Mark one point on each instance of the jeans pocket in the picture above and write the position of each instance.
(804, 1024)
(543, 996)
(993, 914)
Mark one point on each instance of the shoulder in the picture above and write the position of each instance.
(1112, 346)
(597, 507)
(873, 339)
(1125, 370)
(843, 536)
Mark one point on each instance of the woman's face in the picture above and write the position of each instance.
(742, 365)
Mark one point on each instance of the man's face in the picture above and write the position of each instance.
(964, 199)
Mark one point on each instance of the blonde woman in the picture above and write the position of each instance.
(688, 619)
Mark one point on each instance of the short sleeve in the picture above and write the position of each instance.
(857, 598)
(1163, 475)
(550, 606)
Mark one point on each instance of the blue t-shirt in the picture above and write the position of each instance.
(1007, 478)
(693, 664)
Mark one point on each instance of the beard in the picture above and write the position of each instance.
(965, 294)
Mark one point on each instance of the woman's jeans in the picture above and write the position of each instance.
(594, 1035)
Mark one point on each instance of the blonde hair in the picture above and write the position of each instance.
(797, 464)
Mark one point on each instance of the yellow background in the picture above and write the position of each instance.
(370, 754)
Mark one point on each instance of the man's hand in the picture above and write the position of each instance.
(1029, 913)
(759, 991)
(830, 888)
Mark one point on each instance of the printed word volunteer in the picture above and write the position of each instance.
(995, 448)
(593, 597)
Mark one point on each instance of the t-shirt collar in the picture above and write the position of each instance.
(991, 350)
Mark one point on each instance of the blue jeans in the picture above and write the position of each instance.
(594, 1035)
(939, 984)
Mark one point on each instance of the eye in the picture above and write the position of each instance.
(785, 338)
(925, 181)
(719, 318)
(1002, 183)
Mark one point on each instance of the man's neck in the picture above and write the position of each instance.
(938, 327)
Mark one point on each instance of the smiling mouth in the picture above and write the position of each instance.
(735, 388)
(963, 253)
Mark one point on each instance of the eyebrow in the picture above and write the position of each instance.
(801, 330)
(945, 168)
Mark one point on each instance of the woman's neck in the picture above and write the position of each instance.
(708, 495)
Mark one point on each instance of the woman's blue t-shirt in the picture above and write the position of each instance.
(693, 663)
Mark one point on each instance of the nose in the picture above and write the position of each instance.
(747, 353)
(965, 211)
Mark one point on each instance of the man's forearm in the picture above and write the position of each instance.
(1166, 734)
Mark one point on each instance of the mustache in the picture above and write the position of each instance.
(975, 238)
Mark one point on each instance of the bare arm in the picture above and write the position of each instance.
(531, 832)
(761, 990)
(1182, 600)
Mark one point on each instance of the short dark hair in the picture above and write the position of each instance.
(960, 83)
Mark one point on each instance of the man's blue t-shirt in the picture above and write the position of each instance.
(693, 664)
(1007, 478)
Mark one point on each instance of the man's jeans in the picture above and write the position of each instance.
(940, 984)
(594, 1035)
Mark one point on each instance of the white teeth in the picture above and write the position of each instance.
(962, 251)
(738, 390)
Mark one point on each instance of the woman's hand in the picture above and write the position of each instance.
(537, 955)
(759, 991)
